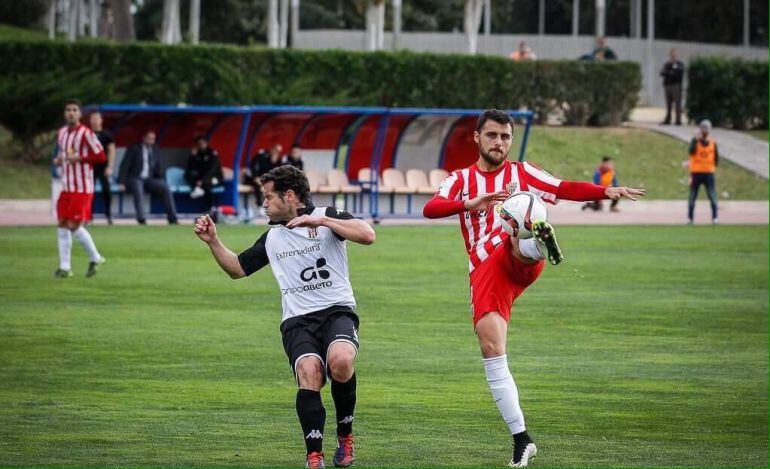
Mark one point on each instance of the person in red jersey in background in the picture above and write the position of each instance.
(501, 266)
(78, 151)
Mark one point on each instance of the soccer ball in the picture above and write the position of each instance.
(519, 211)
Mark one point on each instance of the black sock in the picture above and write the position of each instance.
(522, 438)
(344, 395)
(312, 417)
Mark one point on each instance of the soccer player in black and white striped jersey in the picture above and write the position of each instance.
(305, 247)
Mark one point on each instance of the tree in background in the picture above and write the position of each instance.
(124, 20)
(227, 21)
(28, 13)
(171, 27)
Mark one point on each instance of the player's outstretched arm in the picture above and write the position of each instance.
(206, 231)
(585, 191)
(352, 229)
(440, 207)
(615, 193)
(486, 201)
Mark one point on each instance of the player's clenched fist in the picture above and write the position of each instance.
(205, 229)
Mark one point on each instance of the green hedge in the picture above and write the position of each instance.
(729, 92)
(37, 76)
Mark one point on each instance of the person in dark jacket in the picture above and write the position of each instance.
(673, 74)
(294, 158)
(260, 164)
(140, 171)
(204, 171)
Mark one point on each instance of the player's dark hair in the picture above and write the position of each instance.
(493, 114)
(288, 177)
(606, 159)
(200, 137)
(70, 102)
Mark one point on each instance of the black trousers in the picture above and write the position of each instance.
(207, 185)
(106, 190)
(696, 180)
(673, 99)
(137, 187)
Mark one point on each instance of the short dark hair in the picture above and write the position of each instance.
(288, 177)
(493, 114)
(71, 102)
(606, 159)
(198, 138)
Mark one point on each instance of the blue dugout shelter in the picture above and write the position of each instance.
(360, 143)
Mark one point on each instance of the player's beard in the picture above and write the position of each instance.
(493, 158)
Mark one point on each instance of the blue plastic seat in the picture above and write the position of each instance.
(175, 179)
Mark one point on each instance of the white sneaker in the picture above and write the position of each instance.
(715, 221)
(197, 192)
(530, 450)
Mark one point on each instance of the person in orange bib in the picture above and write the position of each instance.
(703, 162)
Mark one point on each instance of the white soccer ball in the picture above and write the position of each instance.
(519, 211)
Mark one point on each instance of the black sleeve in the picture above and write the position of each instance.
(716, 155)
(692, 146)
(214, 166)
(255, 257)
(125, 165)
(107, 138)
(339, 214)
(190, 163)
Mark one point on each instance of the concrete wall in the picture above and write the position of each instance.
(546, 47)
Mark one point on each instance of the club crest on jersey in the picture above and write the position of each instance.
(512, 187)
(312, 233)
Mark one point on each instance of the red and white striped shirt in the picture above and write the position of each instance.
(483, 230)
(81, 141)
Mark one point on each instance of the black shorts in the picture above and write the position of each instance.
(312, 334)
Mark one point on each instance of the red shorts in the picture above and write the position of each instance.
(498, 281)
(74, 206)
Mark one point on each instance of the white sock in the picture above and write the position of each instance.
(531, 248)
(504, 392)
(65, 247)
(88, 244)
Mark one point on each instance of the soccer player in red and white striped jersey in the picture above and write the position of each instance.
(78, 150)
(502, 266)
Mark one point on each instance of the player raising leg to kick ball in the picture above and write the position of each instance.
(503, 266)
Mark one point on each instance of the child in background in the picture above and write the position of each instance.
(604, 176)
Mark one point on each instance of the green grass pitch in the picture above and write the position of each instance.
(647, 347)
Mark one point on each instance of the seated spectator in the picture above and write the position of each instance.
(602, 52)
(294, 158)
(140, 171)
(260, 164)
(523, 52)
(204, 171)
